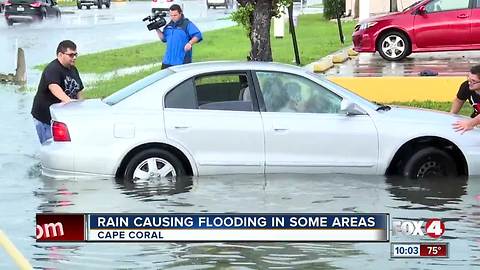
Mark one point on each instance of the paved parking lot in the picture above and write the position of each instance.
(445, 63)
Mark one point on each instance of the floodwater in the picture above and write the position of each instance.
(25, 192)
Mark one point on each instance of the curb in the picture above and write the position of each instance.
(327, 62)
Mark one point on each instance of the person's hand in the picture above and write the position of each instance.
(463, 126)
(188, 47)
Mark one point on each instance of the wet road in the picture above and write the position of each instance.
(373, 65)
(24, 192)
(92, 30)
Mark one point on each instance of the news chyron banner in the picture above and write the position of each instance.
(212, 227)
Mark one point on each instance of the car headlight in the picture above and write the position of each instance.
(366, 25)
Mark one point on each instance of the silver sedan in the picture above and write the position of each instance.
(250, 117)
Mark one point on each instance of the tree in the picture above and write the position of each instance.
(256, 16)
(334, 9)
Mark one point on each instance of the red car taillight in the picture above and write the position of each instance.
(154, 1)
(60, 132)
(8, 3)
(36, 4)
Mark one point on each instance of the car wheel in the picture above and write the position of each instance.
(99, 4)
(107, 5)
(154, 163)
(430, 162)
(79, 5)
(88, 7)
(9, 22)
(393, 46)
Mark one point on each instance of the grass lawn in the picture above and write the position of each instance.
(435, 105)
(316, 38)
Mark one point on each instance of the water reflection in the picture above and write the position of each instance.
(149, 189)
(432, 194)
(454, 200)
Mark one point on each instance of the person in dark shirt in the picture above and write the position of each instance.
(60, 82)
(469, 90)
(180, 34)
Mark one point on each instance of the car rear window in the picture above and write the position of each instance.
(23, 1)
(137, 86)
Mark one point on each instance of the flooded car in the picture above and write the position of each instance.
(249, 117)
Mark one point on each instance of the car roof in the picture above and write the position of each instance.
(213, 66)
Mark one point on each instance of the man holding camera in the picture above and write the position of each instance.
(180, 34)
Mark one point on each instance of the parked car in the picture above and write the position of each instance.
(250, 117)
(164, 5)
(217, 3)
(30, 10)
(425, 26)
(89, 3)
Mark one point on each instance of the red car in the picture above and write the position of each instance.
(425, 26)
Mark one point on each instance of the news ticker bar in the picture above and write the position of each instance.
(212, 227)
(419, 250)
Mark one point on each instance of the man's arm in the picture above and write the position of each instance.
(160, 34)
(463, 126)
(456, 105)
(189, 44)
(57, 91)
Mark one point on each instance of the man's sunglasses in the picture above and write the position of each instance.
(71, 54)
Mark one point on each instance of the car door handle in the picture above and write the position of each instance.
(462, 16)
(280, 129)
(181, 127)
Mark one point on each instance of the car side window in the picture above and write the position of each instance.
(446, 5)
(182, 96)
(230, 92)
(284, 92)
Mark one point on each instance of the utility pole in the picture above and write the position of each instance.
(294, 37)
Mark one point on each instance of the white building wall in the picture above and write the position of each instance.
(377, 6)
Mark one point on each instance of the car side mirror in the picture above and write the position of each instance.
(349, 108)
(421, 10)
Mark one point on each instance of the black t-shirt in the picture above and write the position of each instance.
(67, 78)
(464, 93)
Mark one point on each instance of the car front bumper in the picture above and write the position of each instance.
(363, 41)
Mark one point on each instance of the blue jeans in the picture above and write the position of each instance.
(44, 131)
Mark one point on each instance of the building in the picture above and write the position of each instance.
(375, 6)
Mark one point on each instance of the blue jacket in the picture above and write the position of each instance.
(177, 35)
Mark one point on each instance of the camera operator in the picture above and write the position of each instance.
(180, 34)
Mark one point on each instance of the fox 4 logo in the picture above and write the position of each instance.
(433, 228)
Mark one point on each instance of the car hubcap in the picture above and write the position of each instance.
(429, 169)
(154, 168)
(393, 46)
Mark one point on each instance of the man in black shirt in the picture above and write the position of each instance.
(60, 82)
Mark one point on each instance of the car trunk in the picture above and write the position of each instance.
(23, 7)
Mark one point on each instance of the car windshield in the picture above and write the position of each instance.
(137, 86)
(367, 102)
(412, 5)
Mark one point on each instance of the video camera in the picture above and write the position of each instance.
(156, 20)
